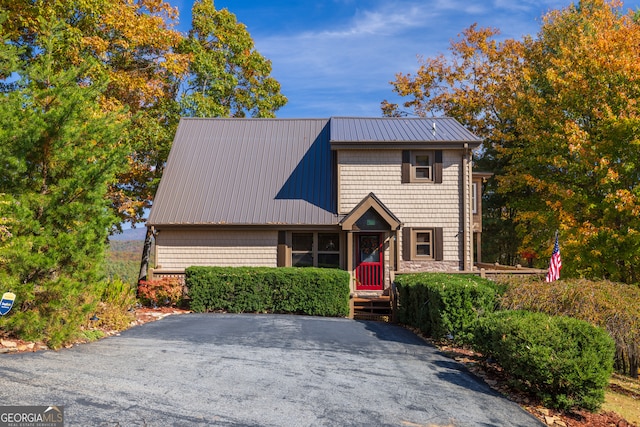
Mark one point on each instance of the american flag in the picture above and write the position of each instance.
(555, 265)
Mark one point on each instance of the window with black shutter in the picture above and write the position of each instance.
(422, 244)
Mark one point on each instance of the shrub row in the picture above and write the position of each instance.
(565, 362)
(609, 305)
(444, 305)
(311, 291)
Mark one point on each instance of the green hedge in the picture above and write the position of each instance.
(609, 305)
(442, 305)
(312, 291)
(564, 361)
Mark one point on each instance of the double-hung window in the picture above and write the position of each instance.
(302, 249)
(422, 244)
(420, 166)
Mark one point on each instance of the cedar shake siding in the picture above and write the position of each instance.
(417, 205)
(182, 248)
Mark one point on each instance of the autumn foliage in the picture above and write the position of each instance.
(90, 96)
(168, 291)
(150, 67)
(560, 116)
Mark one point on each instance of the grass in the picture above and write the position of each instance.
(623, 398)
(92, 335)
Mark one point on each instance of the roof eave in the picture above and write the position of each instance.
(405, 145)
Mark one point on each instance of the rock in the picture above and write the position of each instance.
(554, 421)
(8, 343)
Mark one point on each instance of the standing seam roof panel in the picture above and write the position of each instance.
(387, 129)
(247, 171)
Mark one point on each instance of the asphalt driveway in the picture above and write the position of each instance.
(256, 370)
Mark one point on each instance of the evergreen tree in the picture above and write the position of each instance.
(60, 153)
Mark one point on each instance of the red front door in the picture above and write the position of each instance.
(369, 262)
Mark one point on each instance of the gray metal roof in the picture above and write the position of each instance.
(274, 171)
(248, 171)
(399, 130)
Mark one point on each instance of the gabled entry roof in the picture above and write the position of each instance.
(370, 202)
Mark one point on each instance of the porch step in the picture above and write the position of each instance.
(372, 308)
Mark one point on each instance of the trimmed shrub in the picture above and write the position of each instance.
(311, 291)
(444, 305)
(609, 305)
(564, 361)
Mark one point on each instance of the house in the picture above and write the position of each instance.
(373, 196)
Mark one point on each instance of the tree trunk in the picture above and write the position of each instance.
(146, 252)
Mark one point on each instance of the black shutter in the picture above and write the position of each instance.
(438, 243)
(282, 249)
(406, 243)
(406, 166)
(437, 167)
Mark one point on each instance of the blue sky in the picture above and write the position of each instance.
(336, 57)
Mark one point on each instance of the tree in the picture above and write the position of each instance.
(146, 61)
(559, 114)
(579, 156)
(475, 85)
(60, 153)
(153, 71)
(134, 45)
(227, 76)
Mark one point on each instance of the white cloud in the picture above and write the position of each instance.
(348, 67)
(337, 57)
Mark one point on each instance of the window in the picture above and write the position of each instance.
(422, 244)
(474, 197)
(315, 249)
(302, 249)
(328, 250)
(422, 166)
